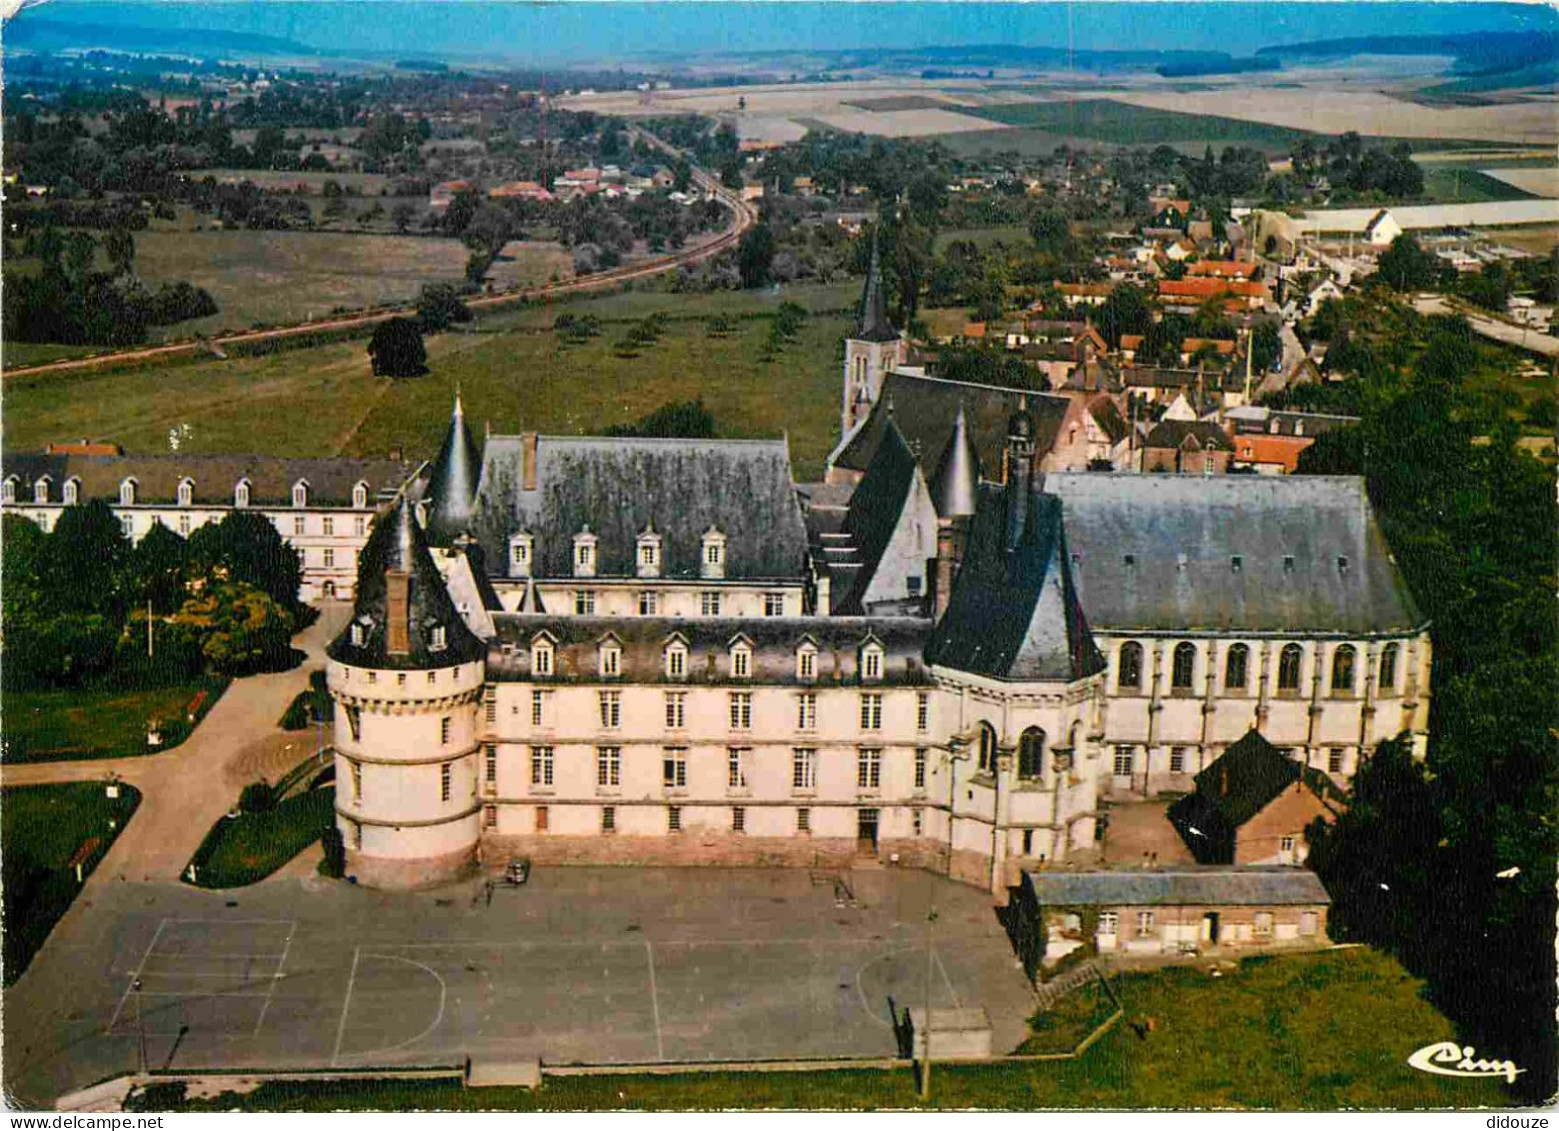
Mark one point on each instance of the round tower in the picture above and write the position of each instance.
(406, 675)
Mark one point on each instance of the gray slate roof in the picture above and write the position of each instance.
(955, 486)
(157, 477)
(619, 486)
(451, 490)
(874, 512)
(1212, 887)
(1208, 520)
(871, 322)
(1174, 433)
(925, 408)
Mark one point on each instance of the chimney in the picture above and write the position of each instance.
(397, 585)
(528, 461)
(952, 535)
(824, 595)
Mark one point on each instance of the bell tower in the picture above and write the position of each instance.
(873, 349)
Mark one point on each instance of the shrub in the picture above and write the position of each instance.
(334, 863)
(257, 797)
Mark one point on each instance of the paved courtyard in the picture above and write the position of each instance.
(586, 965)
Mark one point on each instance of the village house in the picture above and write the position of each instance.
(1196, 447)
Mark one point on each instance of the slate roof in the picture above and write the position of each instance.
(397, 543)
(1107, 415)
(619, 486)
(1259, 420)
(871, 321)
(1213, 887)
(1014, 613)
(1174, 433)
(1312, 519)
(874, 512)
(774, 642)
(330, 481)
(955, 485)
(451, 490)
(925, 409)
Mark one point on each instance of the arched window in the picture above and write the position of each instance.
(1342, 668)
(9, 490)
(1388, 670)
(871, 662)
(72, 491)
(360, 496)
(1128, 672)
(300, 494)
(241, 494)
(40, 490)
(186, 492)
(1031, 753)
(806, 662)
(987, 761)
(1183, 672)
(1236, 668)
(127, 493)
(1288, 668)
(676, 660)
(541, 656)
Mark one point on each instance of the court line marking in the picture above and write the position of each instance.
(345, 1005)
(180, 955)
(860, 990)
(244, 922)
(948, 982)
(134, 974)
(438, 1018)
(660, 1045)
(276, 976)
(200, 993)
(466, 944)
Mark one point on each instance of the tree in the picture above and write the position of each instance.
(402, 215)
(158, 570)
(438, 305)
(244, 630)
(119, 245)
(755, 255)
(1266, 346)
(246, 547)
(84, 561)
(489, 229)
(1051, 231)
(396, 349)
(687, 419)
(1405, 266)
(1125, 311)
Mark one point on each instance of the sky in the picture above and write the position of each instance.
(593, 30)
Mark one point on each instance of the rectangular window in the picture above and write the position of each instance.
(649, 603)
(445, 781)
(920, 768)
(709, 604)
(922, 711)
(918, 819)
(868, 769)
(489, 816)
(806, 665)
(611, 709)
(1109, 923)
(184, 527)
(1263, 924)
(676, 710)
(1334, 760)
(584, 602)
(674, 769)
(741, 710)
(354, 720)
(1286, 844)
(739, 819)
(741, 664)
(803, 769)
(357, 781)
(803, 821)
(541, 765)
(542, 815)
(871, 711)
(538, 702)
(1309, 923)
(127, 526)
(1123, 761)
(1144, 924)
(806, 710)
(674, 818)
(676, 662)
(299, 526)
(736, 768)
(608, 818)
(1177, 759)
(774, 604)
(611, 662)
(871, 664)
(359, 526)
(489, 704)
(443, 730)
(327, 525)
(609, 766)
(490, 764)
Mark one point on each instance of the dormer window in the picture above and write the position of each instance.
(871, 662)
(72, 491)
(40, 490)
(649, 553)
(520, 547)
(241, 494)
(806, 662)
(1130, 561)
(1299, 427)
(1342, 565)
(1236, 564)
(359, 634)
(440, 638)
(712, 556)
(676, 660)
(611, 658)
(584, 553)
(8, 490)
(300, 493)
(360, 496)
(741, 660)
(186, 492)
(1288, 563)
(127, 493)
(541, 656)
(1273, 427)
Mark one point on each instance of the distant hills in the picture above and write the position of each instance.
(37, 34)
(1484, 52)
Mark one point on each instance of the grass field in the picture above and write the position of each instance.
(54, 726)
(983, 237)
(245, 849)
(512, 370)
(1119, 123)
(42, 830)
(1298, 1032)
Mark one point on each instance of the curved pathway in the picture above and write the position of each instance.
(185, 791)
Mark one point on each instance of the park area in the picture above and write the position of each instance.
(102, 722)
(514, 372)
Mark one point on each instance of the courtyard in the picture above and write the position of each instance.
(619, 966)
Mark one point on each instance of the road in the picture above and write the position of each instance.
(743, 217)
(1493, 328)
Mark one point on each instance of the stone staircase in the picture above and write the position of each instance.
(1046, 994)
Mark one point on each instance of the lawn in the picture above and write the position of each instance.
(1009, 234)
(44, 830)
(245, 849)
(1318, 1031)
(514, 373)
(82, 723)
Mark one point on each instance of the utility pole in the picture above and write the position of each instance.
(925, 1052)
(140, 1029)
(148, 628)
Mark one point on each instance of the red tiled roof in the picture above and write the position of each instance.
(1256, 447)
(1204, 288)
(1223, 268)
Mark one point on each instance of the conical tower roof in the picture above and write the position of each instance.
(451, 493)
(871, 323)
(956, 482)
(401, 602)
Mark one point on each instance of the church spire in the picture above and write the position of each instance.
(871, 324)
(452, 482)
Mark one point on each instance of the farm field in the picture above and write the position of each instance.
(280, 277)
(1536, 182)
(366, 184)
(1119, 123)
(512, 370)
